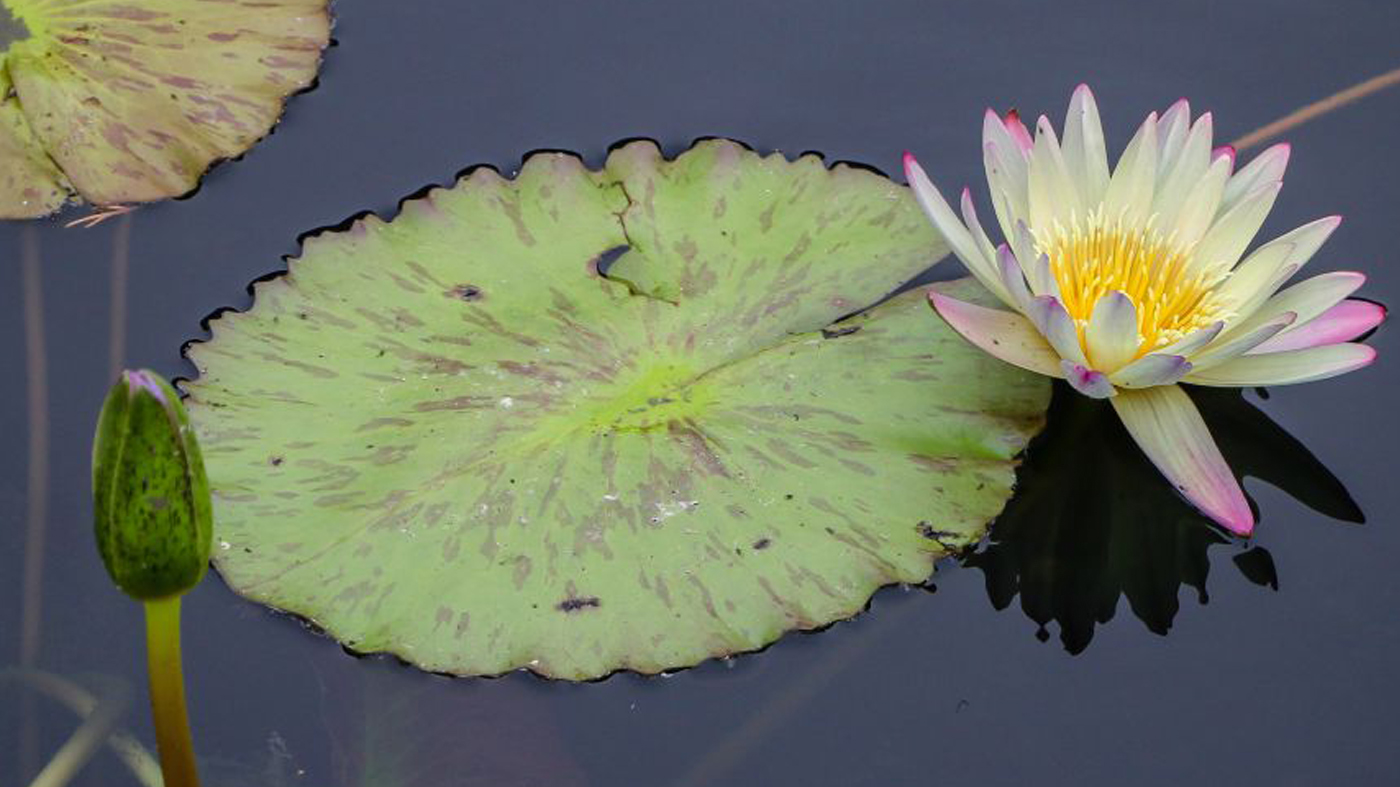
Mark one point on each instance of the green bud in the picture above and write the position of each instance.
(150, 495)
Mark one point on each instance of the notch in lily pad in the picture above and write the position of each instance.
(575, 471)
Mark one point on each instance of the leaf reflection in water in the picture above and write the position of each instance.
(1092, 520)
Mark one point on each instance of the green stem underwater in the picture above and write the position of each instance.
(168, 692)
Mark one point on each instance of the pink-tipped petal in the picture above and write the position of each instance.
(1006, 166)
(1018, 131)
(1092, 384)
(1005, 335)
(1341, 323)
(1151, 370)
(1224, 151)
(1286, 368)
(1167, 427)
(947, 224)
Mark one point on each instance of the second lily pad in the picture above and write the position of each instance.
(583, 421)
(121, 101)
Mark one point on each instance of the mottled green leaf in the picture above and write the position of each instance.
(127, 101)
(449, 437)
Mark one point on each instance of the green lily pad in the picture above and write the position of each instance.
(450, 437)
(121, 101)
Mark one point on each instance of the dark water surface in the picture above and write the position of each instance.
(1293, 686)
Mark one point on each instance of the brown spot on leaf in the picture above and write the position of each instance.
(576, 604)
(466, 292)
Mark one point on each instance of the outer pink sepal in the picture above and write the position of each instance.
(1005, 335)
(1341, 323)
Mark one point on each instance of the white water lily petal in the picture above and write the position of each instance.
(1231, 233)
(1171, 135)
(1150, 370)
(1199, 211)
(974, 226)
(1167, 426)
(1085, 155)
(1007, 190)
(1035, 265)
(1307, 239)
(1267, 167)
(1013, 279)
(1307, 299)
(1130, 188)
(1001, 334)
(1193, 341)
(1341, 323)
(1112, 335)
(1286, 368)
(1248, 285)
(1006, 165)
(1042, 278)
(1092, 384)
(943, 218)
(1050, 317)
(1234, 345)
(1179, 178)
(1053, 197)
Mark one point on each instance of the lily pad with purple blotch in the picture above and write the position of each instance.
(118, 101)
(452, 437)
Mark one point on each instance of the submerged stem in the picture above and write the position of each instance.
(168, 692)
(121, 273)
(37, 486)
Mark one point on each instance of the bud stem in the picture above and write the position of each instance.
(168, 692)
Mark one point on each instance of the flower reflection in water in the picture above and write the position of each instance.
(1092, 519)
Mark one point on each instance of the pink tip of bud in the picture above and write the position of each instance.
(139, 380)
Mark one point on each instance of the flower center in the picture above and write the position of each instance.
(1096, 255)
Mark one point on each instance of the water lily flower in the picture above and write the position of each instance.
(1125, 283)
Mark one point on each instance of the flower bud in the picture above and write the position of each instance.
(151, 502)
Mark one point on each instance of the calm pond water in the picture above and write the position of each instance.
(1285, 677)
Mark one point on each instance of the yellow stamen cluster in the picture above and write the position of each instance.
(1096, 255)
